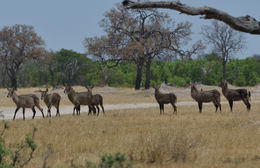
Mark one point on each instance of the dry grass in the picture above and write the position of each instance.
(188, 139)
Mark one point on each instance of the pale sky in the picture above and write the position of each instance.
(66, 23)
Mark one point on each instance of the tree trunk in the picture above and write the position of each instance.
(148, 73)
(52, 76)
(139, 72)
(224, 69)
(12, 75)
(39, 77)
(14, 82)
(105, 75)
(3, 77)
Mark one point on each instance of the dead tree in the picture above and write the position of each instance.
(245, 24)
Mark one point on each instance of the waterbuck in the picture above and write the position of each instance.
(96, 100)
(165, 98)
(235, 95)
(25, 101)
(81, 98)
(206, 96)
(52, 99)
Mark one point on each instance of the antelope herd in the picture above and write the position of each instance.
(94, 101)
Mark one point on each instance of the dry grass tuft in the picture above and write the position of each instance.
(165, 146)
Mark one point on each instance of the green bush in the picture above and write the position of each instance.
(16, 155)
(180, 72)
(117, 160)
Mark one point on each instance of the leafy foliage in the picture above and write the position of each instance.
(117, 160)
(207, 70)
(16, 155)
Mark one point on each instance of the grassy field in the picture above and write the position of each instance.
(188, 139)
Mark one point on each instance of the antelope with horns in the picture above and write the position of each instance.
(235, 95)
(96, 100)
(25, 101)
(165, 98)
(79, 98)
(50, 100)
(205, 96)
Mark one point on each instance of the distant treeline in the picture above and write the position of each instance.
(67, 66)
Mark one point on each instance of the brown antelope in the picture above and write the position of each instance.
(205, 96)
(235, 95)
(52, 99)
(81, 98)
(165, 99)
(25, 101)
(96, 100)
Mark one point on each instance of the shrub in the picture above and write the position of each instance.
(16, 155)
(111, 161)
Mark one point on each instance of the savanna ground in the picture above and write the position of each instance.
(188, 139)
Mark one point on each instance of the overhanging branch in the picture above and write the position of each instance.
(245, 24)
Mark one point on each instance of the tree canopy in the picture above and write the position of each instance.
(19, 43)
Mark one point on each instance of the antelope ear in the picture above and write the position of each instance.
(92, 86)
(47, 89)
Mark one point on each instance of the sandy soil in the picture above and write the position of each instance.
(129, 99)
(8, 112)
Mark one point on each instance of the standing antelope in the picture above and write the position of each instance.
(51, 99)
(206, 96)
(165, 99)
(25, 101)
(96, 100)
(81, 98)
(235, 95)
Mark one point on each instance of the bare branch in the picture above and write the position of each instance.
(245, 24)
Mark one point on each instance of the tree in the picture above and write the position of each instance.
(3, 75)
(72, 66)
(139, 33)
(68, 65)
(212, 57)
(52, 66)
(140, 36)
(224, 40)
(107, 51)
(18, 44)
(245, 24)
